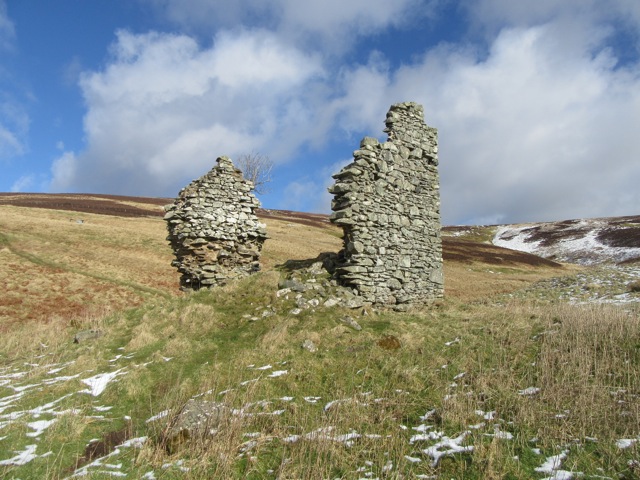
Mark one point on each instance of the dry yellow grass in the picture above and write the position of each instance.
(54, 267)
(472, 351)
(297, 241)
(475, 281)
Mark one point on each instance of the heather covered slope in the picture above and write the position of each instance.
(500, 379)
(586, 242)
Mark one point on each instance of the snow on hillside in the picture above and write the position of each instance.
(586, 242)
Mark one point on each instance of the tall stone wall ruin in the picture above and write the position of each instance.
(213, 230)
(388, 204)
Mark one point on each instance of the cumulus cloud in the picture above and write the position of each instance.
(310, 193)
(14, 120)
(23, 184)
(539, 126)
(14, 126)
(164, 107)
(335, 23)
(536, 123)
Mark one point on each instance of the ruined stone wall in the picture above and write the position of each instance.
(388, 203)
(213, 230)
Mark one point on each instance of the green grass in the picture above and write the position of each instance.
(210, 344)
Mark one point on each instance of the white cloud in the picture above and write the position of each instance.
(63, 171)
(299, 194)
(14, 121)
(7, 29)
(334, 23)
(310, 194)
(497, 13)
(537, 124)
(164, 108)
(23, 184)
(539, 127)
(14, 126)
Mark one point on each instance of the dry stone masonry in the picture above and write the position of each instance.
(388, 203)
(213, 230)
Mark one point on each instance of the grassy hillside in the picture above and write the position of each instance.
(500, 379)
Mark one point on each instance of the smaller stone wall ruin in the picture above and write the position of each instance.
(388, 204)
(213, 230)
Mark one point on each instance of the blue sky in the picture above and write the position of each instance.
(537, 103)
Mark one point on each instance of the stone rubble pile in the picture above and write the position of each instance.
(213, 230)
(388, 204)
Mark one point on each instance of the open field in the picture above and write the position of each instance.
(504, 378)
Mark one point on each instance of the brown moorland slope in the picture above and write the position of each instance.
(76, 255)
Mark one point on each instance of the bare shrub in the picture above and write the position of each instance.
(257, 168)
(634, 286)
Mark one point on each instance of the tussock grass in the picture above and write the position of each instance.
(588, 367)
(351, 409)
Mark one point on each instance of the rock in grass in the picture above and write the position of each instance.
(309, 346)
(350, 322)
(197, 419)
(292, 284)
(331, 302)
(86, 335)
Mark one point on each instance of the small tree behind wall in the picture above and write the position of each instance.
(257, 168)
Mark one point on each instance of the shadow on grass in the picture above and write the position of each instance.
(328, 260)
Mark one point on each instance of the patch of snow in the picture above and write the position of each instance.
(477, 426)
(39, 426)
(500, 434)
(98, 383)
(553, 463)
(579, 245)
(486, 415)
(625, 442)
(412, 459)
(422, 428)
(428, 415)
(560, 475)
(158, 416)
(59, 368)
(529, 391)
(137, 442)
(425, 437)
(13, 375)
(102, 408)
(446, 447)
(51, 381)
(22, 388)
(23, 457)
(278, 373)
(331, 404)
(47, 407)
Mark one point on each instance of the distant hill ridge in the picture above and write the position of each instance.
(582, 241)
(585, 242)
